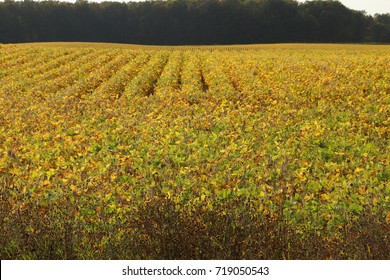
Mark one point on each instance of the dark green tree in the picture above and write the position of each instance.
(175, 22)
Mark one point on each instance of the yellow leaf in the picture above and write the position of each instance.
(388, 217)
(325, 197)
(357, 170)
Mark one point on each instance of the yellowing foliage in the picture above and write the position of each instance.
(93, 133)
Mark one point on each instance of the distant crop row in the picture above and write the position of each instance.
(270, 152)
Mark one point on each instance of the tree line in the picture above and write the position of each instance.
(192, 22)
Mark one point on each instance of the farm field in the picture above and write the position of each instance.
(226, 152)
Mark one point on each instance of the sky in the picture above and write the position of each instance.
(370, 6)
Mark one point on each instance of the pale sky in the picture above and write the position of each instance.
(370, 6)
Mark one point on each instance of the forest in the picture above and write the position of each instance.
(190, 22)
